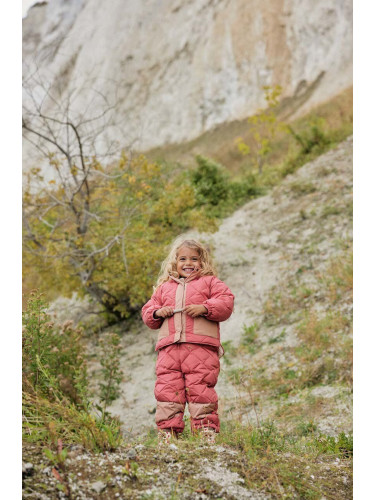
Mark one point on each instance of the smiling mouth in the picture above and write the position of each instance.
(188, 269)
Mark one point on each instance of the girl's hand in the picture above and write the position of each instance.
(164, 312)
(195, 310)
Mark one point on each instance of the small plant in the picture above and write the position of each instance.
(57, 457)
(306, 428)
(278, 338)
(249, 337)
(313, 138)
(229, 350)
(342, 445)
(263, 127)
(330, 210)
(302, 188)
(131, 470)
(112, 375)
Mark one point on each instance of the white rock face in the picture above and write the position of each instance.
(181, 67)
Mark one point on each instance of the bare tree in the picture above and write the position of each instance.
(58, 215)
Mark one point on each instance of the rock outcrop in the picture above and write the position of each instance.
(179, 68)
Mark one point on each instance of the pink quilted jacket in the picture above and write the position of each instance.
(178, 293)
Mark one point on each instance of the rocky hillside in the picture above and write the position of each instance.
(285, 382)
(176, 69)
(277, 254)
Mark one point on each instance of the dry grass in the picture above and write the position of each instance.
(47, 421)
(219, 144)
(338, 280)
(319, 315)
(285, 303)
(290, 466)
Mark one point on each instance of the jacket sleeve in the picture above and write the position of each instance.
(149, 308)
(220, 304)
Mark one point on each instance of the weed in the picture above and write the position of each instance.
(282, 305)
(229, 350)
(58, 457)
(278, 338)
(285, 465)
(303, 269)
(55, 404)
(306, 428)
(330, 210)
(301, 188)
(341, 446)
(53, 358)
(338, 280)
(322, 332)
(112, 375)
(131, 470)
(249, 338)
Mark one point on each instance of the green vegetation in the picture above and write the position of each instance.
(334, 116)
(56, 402)
(263, 127)
(109, 355)
(320, 355)
(108, 238)
(287, 465)
(249, 340)
(325, 351)
(215, 192)
(100, 238)
(302, 464)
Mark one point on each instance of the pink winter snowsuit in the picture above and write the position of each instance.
(188, 363)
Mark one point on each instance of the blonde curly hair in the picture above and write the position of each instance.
(169, 265)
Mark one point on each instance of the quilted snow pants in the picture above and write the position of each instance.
(187, 372)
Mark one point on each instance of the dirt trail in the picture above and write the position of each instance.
(298, 224)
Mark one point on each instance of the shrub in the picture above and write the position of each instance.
(210, 182)
(55, 400)
(110, 353)
(53, 358)
(313, 138)
(104, 244)
(245, 189)
(263, 128)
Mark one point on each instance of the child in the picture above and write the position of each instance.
(187, 306)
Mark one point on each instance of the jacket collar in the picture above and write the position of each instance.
(192, 277)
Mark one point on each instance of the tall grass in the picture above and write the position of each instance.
(56, 402)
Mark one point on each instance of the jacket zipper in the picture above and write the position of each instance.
(183, 321)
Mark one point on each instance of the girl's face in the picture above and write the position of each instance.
(188, 261)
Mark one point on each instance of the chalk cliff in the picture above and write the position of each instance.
(178, 68)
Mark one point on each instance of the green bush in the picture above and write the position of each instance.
(103, 243)
(55, 398)
(210, 182)
(243, 190)
(216, 193)
(53, 358)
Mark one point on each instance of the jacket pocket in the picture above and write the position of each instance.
(164, 330)
(203, 326)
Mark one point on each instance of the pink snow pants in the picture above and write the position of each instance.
(187, 372)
